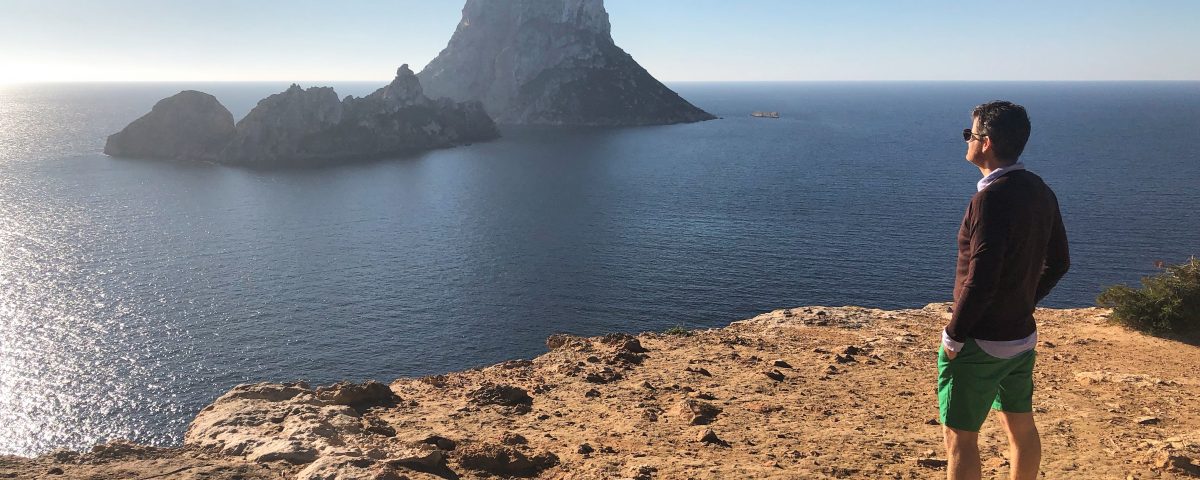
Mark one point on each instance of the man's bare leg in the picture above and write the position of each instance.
(1024, 445)
(962, 453)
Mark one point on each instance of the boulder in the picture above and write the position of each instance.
(356, 395)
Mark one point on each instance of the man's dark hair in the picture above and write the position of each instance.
(1007, 124)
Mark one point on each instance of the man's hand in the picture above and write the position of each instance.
(948, 343)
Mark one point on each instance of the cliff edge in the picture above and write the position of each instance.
(813, 392)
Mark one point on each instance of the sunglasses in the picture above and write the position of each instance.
(967, 134)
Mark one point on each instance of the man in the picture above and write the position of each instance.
(1012, 249)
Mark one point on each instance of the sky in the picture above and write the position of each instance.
(676, 40)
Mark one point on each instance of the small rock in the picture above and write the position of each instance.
(843, 359)
(648, 386)
(440, 442)
(763, 408)
(1176, 462)
(625, 342)
(379, 427)
(935, 463)
(698, 370)
(782, 364)
(54, 471)
(624, 357)
(1148, 421)
(775, 375)
(607, 375)
(710, 437)
(585, 449)
(503, 395)
(643, 472)
(511, 438)
(853, 350)
(593, 393)
(698, 412)
(559, 340)
(63, 455)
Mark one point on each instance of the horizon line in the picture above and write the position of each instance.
(108, 81)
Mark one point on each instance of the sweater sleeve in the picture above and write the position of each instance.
(989, 230)
(1058, 257)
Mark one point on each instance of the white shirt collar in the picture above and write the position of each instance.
(996, 174)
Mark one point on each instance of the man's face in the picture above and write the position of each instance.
(975, 144)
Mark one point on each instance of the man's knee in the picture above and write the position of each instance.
(1018, 424)
(956, 438)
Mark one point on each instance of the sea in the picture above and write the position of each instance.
(133, 293)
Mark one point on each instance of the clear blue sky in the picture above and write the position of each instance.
(88, 40)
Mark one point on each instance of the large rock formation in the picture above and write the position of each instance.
(305, 126)
(276, 128)
(550, 62)
(189, 125)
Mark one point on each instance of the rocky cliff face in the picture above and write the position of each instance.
(274, 129)
(550, 62)
(189, 125)
(305, 126)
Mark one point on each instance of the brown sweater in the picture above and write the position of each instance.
(1012, 249)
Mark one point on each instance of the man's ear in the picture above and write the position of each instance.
(986, 144)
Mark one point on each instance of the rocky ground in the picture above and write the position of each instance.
(811, 392)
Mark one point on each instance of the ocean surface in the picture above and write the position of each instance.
(132, 293)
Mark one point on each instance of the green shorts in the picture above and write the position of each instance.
(974, 380)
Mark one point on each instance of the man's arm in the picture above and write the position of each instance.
(1058, 257)
(989, 238)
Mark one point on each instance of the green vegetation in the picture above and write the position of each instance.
(678, 330)
(1167, 304)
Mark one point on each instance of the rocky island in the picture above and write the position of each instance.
(550, 62)
(809, 392)
(304, 126)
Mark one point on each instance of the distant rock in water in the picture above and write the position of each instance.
(550, 62)
(313, 126)
(189, 125)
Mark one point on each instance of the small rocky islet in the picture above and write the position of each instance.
(304, 126)
(806, 392)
